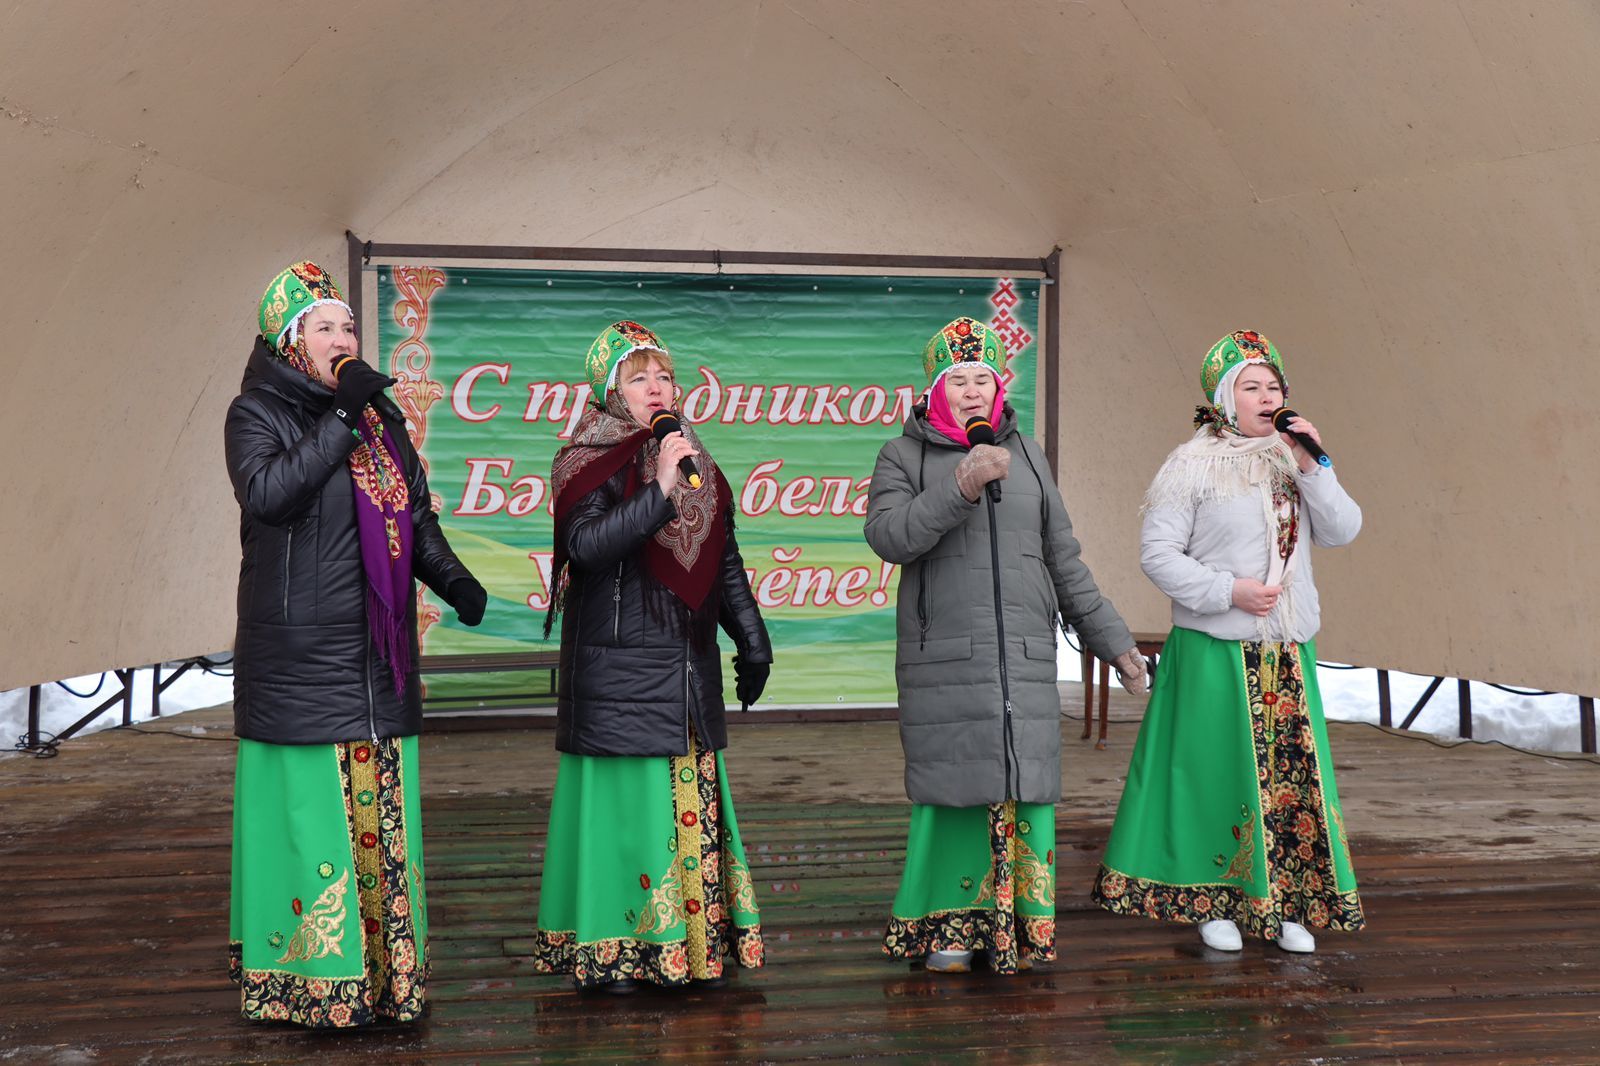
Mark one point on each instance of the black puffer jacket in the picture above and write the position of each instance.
(631, 684)
(305, 668)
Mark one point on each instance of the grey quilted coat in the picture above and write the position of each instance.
(980, 715)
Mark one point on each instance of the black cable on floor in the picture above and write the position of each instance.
(49, 746)
(1455, 742)
(180, 736)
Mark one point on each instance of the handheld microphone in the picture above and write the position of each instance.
(979, 431)
(380, 401)
(664, 422)
(1280, 422)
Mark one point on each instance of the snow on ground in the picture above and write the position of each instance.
(1541, 723)
(60, 708)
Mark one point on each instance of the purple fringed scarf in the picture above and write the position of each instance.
(383, 524)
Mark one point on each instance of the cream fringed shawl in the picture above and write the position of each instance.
(1222, 465)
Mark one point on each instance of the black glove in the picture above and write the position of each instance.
(468, 598)
(358, 384)
(752, 678)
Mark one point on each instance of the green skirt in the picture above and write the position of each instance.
(1230, 809)
(644, 872)
(328, 922)
(978, 879)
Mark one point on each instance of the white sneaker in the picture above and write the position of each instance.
(1221, 934)
(949, 961)
(1297, 938)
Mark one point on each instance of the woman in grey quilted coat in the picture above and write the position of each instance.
(987, 577)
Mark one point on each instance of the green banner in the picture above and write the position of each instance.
(793, 382)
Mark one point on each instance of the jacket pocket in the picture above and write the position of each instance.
(616, 607)
(945, 649)
(288, 559)
(1034, 571)
(1039, 648)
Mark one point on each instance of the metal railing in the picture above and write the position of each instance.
(43, 745)
(1586, 717)
(1586, 720)
(35, 741)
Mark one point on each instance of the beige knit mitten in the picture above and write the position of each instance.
(1131, 671)
(983, 464)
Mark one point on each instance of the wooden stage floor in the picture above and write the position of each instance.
(1477, 866)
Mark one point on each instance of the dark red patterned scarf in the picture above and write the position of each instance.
(685, 555)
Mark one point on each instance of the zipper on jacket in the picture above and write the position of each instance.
(922, 567)
(616, 607)
(688, 691)
(1007, 737)
(288, 557)
(372, 714)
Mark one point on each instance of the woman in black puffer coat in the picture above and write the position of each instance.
(328, 923)
(305, 670)
(644, 873)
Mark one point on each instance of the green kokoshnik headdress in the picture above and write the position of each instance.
(964, 341)
(1240, 346)
(291, 294)
(615, 343)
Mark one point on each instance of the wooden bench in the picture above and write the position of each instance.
(1149, 645)
(491, 663)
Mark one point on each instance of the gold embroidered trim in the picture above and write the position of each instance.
(1031, 874)
(363, 820)
(1338, 826)
(686, 801)
(665, 906)
(1244, 856)
(743, 886)
(321, 931)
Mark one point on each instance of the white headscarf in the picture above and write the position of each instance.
(1224, 393)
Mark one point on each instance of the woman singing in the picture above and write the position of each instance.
(329, 918)
(984, 587)
(644, 874)
(1230, 817)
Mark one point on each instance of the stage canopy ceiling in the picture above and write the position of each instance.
(1401, 195)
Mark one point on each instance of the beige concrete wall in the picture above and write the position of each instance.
(1423, 244)
(119, 528)
(1397, 194)
(1453, 402)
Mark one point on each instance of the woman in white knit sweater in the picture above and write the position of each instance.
(1230, 817)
